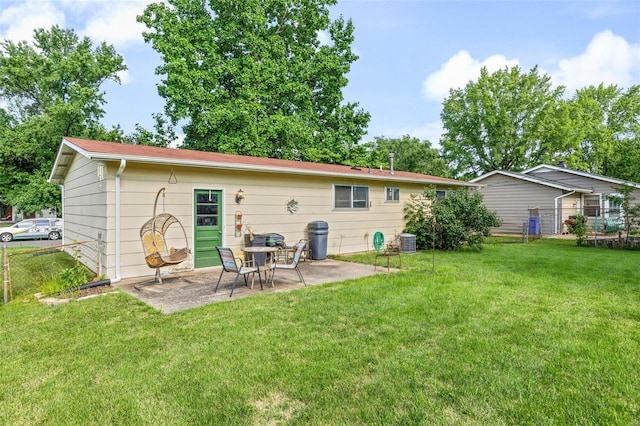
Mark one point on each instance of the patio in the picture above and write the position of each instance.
(192, 289)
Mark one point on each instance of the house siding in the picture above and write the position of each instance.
(598, 186)
(512, 198)
(264, 209)
(84, 206)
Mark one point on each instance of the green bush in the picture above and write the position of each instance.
(580, 230)
(459, 218)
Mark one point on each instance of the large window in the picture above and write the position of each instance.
(350, 197)
(391, 194)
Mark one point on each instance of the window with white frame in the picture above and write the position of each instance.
(614, 206)
(391, 194)
(591, 205)
(350, 197)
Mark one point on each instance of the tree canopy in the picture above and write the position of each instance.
(410, 155)
(511, 120)
(48, 89)
(606, 130)
(253, 77)
(508, 120)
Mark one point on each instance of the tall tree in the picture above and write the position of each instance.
(252, 76)
(606, 126)
(410, 155)
(508, 120)
(50, 89)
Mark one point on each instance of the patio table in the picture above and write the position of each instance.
(269, 260)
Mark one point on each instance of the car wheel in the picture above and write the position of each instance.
(6, 237)
(54, 235)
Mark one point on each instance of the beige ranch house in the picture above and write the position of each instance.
(109, 191)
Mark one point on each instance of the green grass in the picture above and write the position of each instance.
(37, 269)
(538, 333)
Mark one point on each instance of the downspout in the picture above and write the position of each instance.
(555, 219)
(123, 164)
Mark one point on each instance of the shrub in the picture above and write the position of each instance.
(580, 230)
(459, 218)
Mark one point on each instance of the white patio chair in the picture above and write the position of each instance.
(299, 248)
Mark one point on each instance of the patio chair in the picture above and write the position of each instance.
(237, 266)
(299, 248)
(157, 249)
(289, 251)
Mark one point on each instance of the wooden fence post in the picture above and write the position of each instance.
(5, 273)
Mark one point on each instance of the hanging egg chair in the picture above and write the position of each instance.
(153, 234)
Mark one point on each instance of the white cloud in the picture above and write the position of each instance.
(125, 77)
(608, 59)
(115, 22)
(325, 38)
(458, 71)
(18, 21)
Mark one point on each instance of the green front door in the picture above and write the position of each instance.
(208, 227)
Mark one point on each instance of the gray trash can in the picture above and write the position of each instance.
(318, 231)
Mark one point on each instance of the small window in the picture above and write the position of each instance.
(350, 197)
(391, 195)
(440, 194)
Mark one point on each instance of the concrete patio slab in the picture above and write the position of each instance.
(192, 289)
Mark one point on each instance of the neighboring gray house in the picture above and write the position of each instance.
(550, 193)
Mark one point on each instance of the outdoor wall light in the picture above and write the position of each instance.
(239, 196)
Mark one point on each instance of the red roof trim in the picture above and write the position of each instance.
(213, 159)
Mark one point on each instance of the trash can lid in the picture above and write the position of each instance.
(318, 224)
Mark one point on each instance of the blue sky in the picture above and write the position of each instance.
(411, 52)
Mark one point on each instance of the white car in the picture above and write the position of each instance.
(32, 229)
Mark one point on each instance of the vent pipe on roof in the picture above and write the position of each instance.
(391, 155)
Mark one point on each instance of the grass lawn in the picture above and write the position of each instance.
(542, 333)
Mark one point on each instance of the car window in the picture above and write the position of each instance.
(24, 224)
(42, 223)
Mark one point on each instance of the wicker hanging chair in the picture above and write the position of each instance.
(152, 234)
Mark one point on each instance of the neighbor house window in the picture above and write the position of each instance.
(592, 205)
(391, 194)
(614, 207)
(350, 197)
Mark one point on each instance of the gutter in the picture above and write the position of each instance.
(555, 216)
(123, 164)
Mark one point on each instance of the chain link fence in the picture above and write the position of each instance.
(45, 270)
(538, 222)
